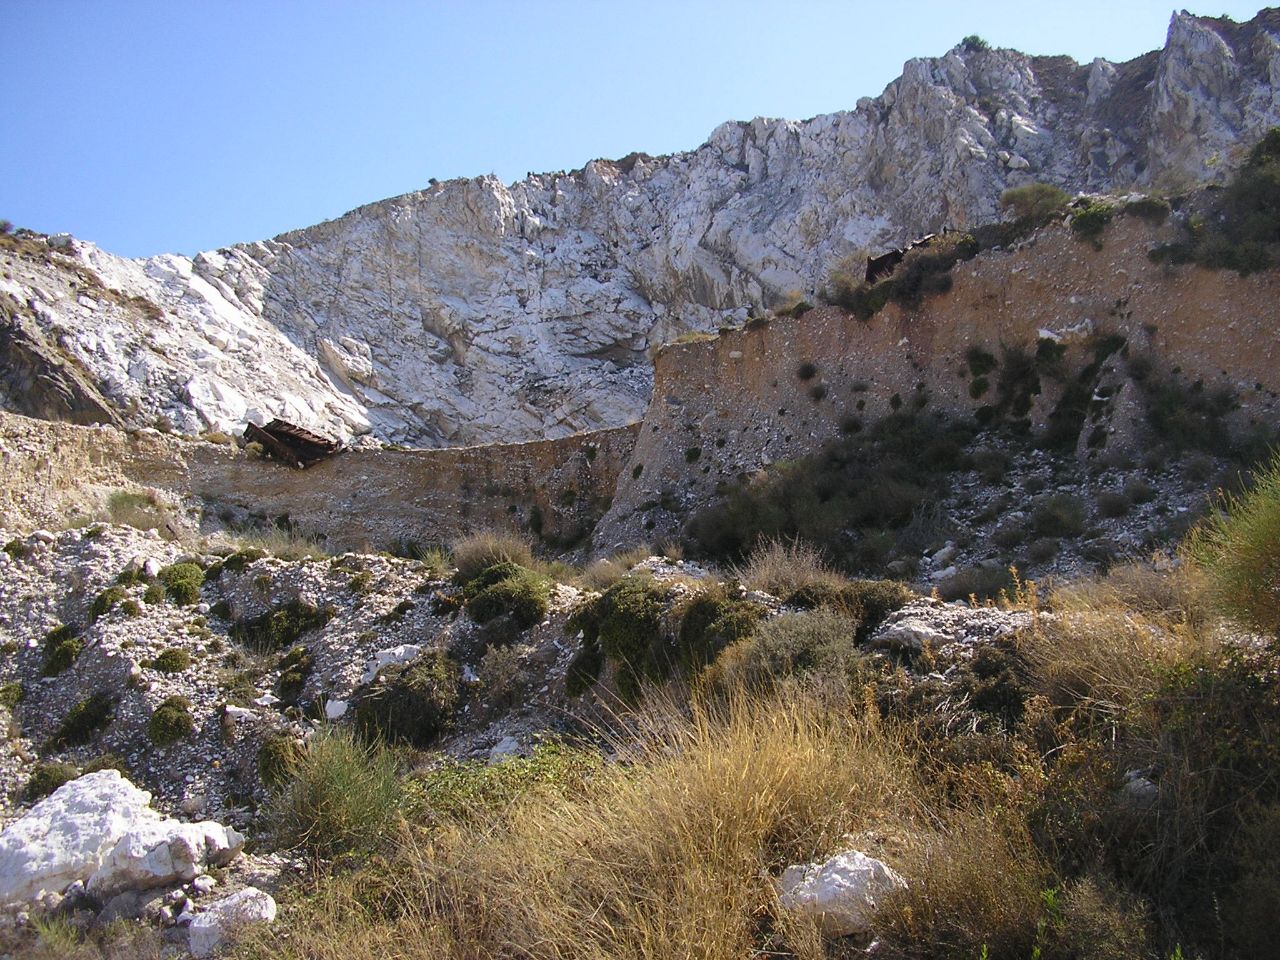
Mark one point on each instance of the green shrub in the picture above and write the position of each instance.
(510, 589)
(105, 600)
(466, 790)
(18, 550)
(865, 603)
(280, 627)
(1036, 202)
(626, 623)
(171, 721)
(341, 796)
(974, 44)
(295, 667)
(12, 694)
(820, 641)
(61, 647)
(277, 758)
(182, 582)
(843, 500)
(170, 660)
(242, 558)
(153, 594)
(1112, 504)
(83, 720)
(46, 777)
(410, 703)
(711, 621)
(984, 581)
(1239, 548)
(1057, 515)
(1089, 218)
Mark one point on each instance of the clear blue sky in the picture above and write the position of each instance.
(180, 126)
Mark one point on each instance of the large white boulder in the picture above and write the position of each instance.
(159, 852)
(66, 836)
(841, 894)
(209, 929)
(100, 829)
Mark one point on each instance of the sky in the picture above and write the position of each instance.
(150, 127)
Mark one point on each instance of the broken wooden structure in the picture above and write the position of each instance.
(291, 444)
(880, 267)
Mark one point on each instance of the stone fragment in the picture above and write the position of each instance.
(841, 894)
(209, 929)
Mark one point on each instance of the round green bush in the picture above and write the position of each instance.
(277, 757)
(295, 668)
(182, 582)
(410, 703)
(171, 721)
(509, 589)
(104, 601)
(171, 660)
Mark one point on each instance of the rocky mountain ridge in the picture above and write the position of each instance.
(476, 312)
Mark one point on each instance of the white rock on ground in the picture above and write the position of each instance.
(101, 829)
(840, 894)
(209, 929)
(66, 836)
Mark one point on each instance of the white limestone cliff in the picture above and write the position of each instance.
(475, 311)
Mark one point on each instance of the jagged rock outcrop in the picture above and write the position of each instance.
(477, 312)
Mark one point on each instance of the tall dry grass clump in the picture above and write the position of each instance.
(1239, 549)
(666, 853)
(781, 567)
(477, 552)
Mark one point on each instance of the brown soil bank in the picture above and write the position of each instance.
(55, 473)
(1066, 338)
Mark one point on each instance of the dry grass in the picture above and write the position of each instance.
(283, 544)
(781, 567)
(479, 551)
(665, 854)
(604, 573)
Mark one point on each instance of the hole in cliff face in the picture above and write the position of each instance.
(635, 473)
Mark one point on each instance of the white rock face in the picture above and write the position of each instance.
(160, 852)
(66, 836)
(208, 930)
(101, 829)
(475, 311)
(840, 894)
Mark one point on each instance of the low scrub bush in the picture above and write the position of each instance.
(83, 720)
(821, 642)
(624, 625)
(170, 660)
(61, 647)
(341, 796)
(984, 581)
(277, 758)
(170, 721)
(1089, 218)
(105, 601)
(924, 271)
(410, 703)
(182, 582)
(850, 501)
(506, 588)
(711, 620)
(478, 552)
(46, 777)
(472, 790)
(12, 694)
(1035, 203)
(280, 627)
(1239, 549)
(1058, 515)
(1243, 226)
(865, 602)
(295, 668)
(781, 567)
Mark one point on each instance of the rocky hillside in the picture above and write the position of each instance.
(475, 311)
